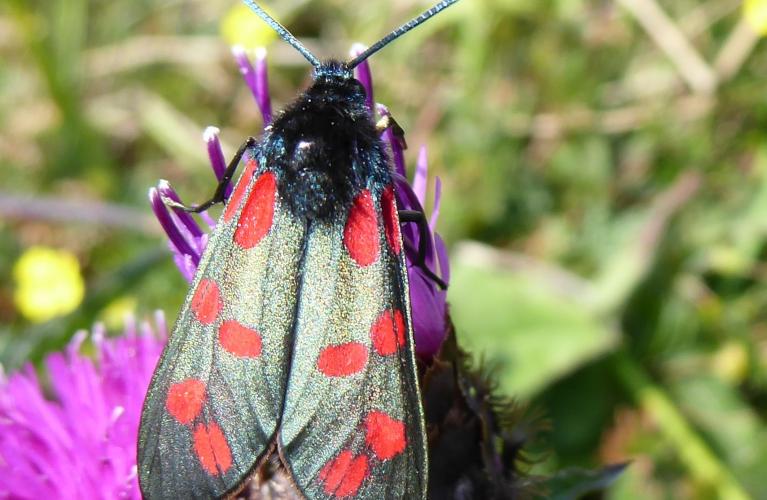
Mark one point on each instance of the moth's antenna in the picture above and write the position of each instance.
(399, 32)
(283, 32)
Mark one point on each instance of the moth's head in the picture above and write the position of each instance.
(333, 72)
(334, 82)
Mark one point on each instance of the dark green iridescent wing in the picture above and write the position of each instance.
(352, 424)
(216, 395)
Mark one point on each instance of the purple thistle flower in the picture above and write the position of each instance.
(81, 441)
(428, 301)
(363, 74)
(187, 240)
(216, 154)
(257, 79)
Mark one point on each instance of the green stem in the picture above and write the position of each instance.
(702, 463)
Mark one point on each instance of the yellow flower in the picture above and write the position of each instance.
(755, 13)
(48, 283)
(730, 363)
(114, 314)
(240, 26)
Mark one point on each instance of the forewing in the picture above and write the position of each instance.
(214, 401)
(352, 424)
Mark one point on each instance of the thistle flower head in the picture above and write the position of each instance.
(76, 438)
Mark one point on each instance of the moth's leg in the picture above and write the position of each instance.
(220, 193)
(388, 121)
(424, 233)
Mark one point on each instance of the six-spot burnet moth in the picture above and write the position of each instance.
(295, 342)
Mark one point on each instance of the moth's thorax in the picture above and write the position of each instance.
(325, 147)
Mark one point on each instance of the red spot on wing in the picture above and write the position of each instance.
(184, 400)
(239, 340)
(391, 220)
(211, 449)
(388, 332)
(258, 214)
(343, 475)
(361, 231)
(343, 360)
(384, 435)
(236, 199)
(206, 303)
(333, 472)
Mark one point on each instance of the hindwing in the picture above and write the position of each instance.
(352, 425)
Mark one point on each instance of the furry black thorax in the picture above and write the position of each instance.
(324, 147)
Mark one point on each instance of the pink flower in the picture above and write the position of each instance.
(76, 438)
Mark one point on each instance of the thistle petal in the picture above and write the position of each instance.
(80, 441)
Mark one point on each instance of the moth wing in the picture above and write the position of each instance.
(353, 423)
(216, 395)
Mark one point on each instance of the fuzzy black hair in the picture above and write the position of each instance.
(325, 147)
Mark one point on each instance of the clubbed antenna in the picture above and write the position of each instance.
(399, 32)
(284, 33)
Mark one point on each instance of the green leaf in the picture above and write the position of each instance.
(532, 334)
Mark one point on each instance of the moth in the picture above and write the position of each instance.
(295, 341)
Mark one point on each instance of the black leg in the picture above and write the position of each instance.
(424, 235)
(218, 195)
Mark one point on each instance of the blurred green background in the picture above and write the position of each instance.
(605, 196)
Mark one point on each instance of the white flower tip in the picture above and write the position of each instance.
(98, 332)
(159, 321)
(129, 322)
(260, 53)
(238, 51)
(77, 340)
(98, 338)
(163, 184)
(117, 412)
(357, 49)
(382, 110)
(144, 328)
(152, 194)
(423, 153)
(210, 134)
